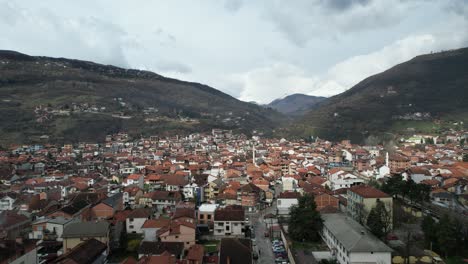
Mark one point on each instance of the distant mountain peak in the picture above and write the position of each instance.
(296, 104)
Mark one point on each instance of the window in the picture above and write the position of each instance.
(220, 224)
(130, 226)
(208, 216)
(176, 236)
(227, 228)
(131, 220)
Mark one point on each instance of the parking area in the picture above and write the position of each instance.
(279, 251)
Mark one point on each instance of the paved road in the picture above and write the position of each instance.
(263, 243)
(266, 255)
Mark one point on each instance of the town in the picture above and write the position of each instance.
(226, 198)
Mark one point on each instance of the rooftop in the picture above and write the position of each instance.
(353, 236)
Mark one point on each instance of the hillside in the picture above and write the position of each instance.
(296, 104)
(72, 100)
(427, 94)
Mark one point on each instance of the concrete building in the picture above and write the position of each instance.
(350, 242)
(361, 200)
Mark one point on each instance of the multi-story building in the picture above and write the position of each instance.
(229, 221)
(361, 200)
(350, 242)
(206, 214)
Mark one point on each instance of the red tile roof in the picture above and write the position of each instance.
(368, 191)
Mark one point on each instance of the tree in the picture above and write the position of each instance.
(465, 157)
(446, 235)
(305, 222)
(379, 220)
(429, 228)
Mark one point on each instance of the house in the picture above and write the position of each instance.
(6, 203)
(206, 214)
(326, 201)
(178, 232)
(75, 233)
(135, 220)
(235, 251)
(131, 196)
(344, 180)
(229, 221)
(18, 251)
(195, 254)
(161, 200)
(250, 196)
(12, 223)
(211, 189)
(151, 226)
(50, 228)
(289, 183)
(90, 251)
(191, 191)
(350, 242)
(158, 248)
(361, 200)
(419, 174)
(399, 162)
(107, 207)
(286, 200)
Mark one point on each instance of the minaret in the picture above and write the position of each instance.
(386, 160)
(253, 155)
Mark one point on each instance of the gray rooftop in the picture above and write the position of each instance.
(86, 229)
(353, 236)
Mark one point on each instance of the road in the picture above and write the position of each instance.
(263, 243)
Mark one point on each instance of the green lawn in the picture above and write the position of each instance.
(210, 246)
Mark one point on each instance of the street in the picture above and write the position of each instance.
(263, 243)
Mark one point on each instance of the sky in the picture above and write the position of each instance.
(254, 50)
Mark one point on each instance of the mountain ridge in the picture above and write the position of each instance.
(58, 96)
(296, 104)
(424, 94)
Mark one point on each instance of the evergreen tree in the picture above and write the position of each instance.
(446, 235)
(305, 222)
(428, 226)
(379, 220)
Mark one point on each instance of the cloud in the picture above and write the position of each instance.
(88, 38)
(341, 5)
(302, 20)
(167, 67)
(268, 83)
(233, 5)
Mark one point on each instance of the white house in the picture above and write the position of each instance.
(136, 219)
(350, 242)
(190, 190)
(229, 221)
(151, 226)
(6, 203)
(344, 180)
(286, 200)
(289, 183)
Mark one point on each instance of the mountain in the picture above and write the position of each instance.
(72, 100)
(296, 104)
(427, 94)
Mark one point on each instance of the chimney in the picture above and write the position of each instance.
(386, 160)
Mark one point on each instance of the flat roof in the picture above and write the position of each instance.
(208, 207)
